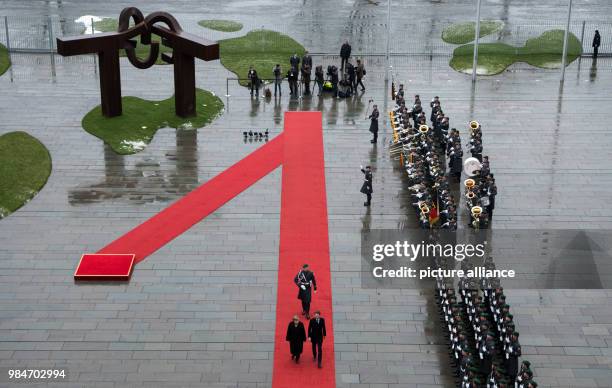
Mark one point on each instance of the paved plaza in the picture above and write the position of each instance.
(200, 312)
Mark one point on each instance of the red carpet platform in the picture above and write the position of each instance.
(95, 266)
(303, 235)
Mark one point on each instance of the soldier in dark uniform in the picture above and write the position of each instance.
(305, 280)
(296, 335)
(374, 123)
(596, 43)
(345, 53)
(317, 333)
(513, 352)
(456, 160)
(366, 188)
(492, 192)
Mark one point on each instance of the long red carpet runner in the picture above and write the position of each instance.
(303, 234)
(303, 239)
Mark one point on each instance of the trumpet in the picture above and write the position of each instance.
(423, 128)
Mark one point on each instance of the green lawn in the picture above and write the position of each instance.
(221, 25)
(136, 127)
(142, 50)
(461, 33)
(5, 61)
(545, 51)
(261, 48)
(25, 165)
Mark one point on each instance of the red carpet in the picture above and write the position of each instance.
(303, 234)
(183, 214)
(303, 239)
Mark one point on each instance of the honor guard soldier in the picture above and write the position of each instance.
(513, 352)
(305, 280)
(366, 187)
(374, 124)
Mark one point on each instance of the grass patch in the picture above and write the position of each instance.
(221, 25)
(545, 51)
(462, 33)
(5, 61)
(142, 50)
(261, 48)
(25, 166)
(135, 128)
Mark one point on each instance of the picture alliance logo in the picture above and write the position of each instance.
(412, 252)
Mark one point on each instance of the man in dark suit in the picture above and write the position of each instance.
(317, 333)
(294, 60)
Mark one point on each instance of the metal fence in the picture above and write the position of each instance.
(37, 34)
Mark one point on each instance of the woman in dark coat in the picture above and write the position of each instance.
(296, 335)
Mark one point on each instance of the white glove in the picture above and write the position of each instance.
(361, 166)
(303, 287)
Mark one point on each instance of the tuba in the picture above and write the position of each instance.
(423, 129)
(474, 125)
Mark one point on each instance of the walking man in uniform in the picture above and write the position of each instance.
(366, 188)
(374, 124)
(305, 280)
(317, 333)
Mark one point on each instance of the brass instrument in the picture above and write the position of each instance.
(423, 129)
(424, 208)
(476, 212)
(469, 183)
(474, 125)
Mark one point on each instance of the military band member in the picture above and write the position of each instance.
(305, 280)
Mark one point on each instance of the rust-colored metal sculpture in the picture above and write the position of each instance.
(185, 48)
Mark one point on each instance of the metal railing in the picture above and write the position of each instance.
(36, 34)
